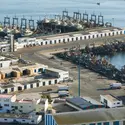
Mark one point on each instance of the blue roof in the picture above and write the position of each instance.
(79, 102)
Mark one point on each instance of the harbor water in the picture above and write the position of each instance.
(113, 10)
(118, 59)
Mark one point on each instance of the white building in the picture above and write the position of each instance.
(6, 102)
(67, 37)
(6, 62)
(21, 110)
(110, 101)
(61, 74)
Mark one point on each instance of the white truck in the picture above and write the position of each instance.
(63, 88)
(115, 86)
(63, 93)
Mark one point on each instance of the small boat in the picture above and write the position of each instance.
(98, 3)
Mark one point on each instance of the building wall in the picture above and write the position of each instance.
(23, 107)
(49, 120)
(111, 104)
(28, 86)
(5, 103)
(23, 42)
(33, 120)
(5, 64)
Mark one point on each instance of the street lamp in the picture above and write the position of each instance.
(79, 70)
(113, 21)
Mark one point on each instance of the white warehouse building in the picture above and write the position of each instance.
(67, 37)
(110, 101)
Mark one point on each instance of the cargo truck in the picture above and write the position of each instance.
(115, 86)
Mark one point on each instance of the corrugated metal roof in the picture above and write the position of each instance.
(90, 116)
(92, 101)
(79, 102)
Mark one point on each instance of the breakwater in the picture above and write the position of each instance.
(88, 58)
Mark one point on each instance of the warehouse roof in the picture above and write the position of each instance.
(110, 98)
(90, 116)
(79, 102)
(93, 101)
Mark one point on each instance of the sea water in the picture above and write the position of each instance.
(113, 10)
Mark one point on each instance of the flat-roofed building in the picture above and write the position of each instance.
(110, 101)
(61, 74)
(82, 104)
(88, 117)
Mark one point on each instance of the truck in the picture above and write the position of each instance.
(115, 86)
(63, 93)
(63, 88)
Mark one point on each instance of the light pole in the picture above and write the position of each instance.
(79, 77)
(113, 21)
(79, 70)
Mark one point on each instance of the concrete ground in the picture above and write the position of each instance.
(92, 84)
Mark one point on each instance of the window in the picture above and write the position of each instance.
(4, 50)
(121, 32)
(97, 36)
(35, 70)
(118, 102)
(99, 123)
(16, 107)
(76, 38)
(25, 87)
(1, 65)
(21, 106)
(31, 85)
(37, 84)
(106, 123)
(80, 38)
(7, 105)
(41, 43)
(12, 106)
(84, 37)
(23, 120)
(50, 42)
(55, 81)
(89, 37)
(101, 35)
(68, 39)
(63, 40)
(59, 40)
(49, 82)
(12, 89)
(32, 121)
(5, 119)
(46, 43)
(116, 123)
(92, 124)
(43, 83)
(55, 41)
(72, 39)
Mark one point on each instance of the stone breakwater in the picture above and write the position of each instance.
(88, 58)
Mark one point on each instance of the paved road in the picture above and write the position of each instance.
(32, 53)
